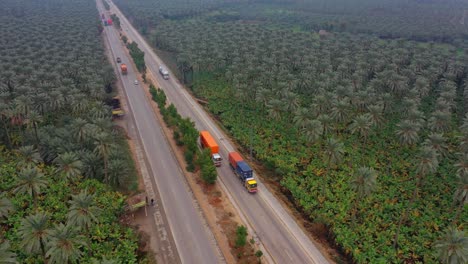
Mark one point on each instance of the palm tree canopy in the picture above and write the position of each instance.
(30, 181)
(6, 256)
(313, 130)
(82, 211)
(436, 141)
(64, 244)
(427, 161)
(461, 193)
(34, 231)
(364, 181)
(69, 165)
(452, 247)
(334, 149)
(29, 156)
(361, 125)
(407, 132)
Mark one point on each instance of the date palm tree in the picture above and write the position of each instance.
(29, 157)
(407, 132)
(334, 151)
(427, 164)
(80, 129)
(263, 97)
(436, 141)
(460, 196)
(312, 131)
(363, 183)
(30, 181)
(5, 115)
(361, 125)
(64, 244)
(275, 108)
(326, 122)
(82, 211)
(452, 247)
(118, 170)
(35, 233)
(103, 145)
(292, 100)
(69, 165)
(302, 117)
(376, 114)
(6, 256)
(32, 121)
(340, 111)
(440, 121)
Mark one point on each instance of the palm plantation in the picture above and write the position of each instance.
(56, 133)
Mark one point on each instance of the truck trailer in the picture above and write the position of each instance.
(207, 141)
(243, 171)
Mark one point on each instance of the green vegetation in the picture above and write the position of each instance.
(60, 153)
(241, 236)
(138, 56)
(186, 135)
(367, 135)
(43, 212)
(424, 20)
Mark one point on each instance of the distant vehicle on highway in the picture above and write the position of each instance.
(119, 60)
(136, 82)
(164, 73)
(123, 68)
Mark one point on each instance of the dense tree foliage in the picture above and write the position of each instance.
(138, 56)
(438, 20)
(65, 221)
(367, 135)
(57, 139)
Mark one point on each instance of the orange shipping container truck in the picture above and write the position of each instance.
(207, 141)
(123, 68)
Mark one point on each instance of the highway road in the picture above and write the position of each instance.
(277, 232)
(194, 241)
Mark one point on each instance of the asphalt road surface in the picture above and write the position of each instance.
(194, 241)
(278, 234)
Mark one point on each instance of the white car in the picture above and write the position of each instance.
(136, 82)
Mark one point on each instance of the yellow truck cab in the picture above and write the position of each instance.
(251, 185)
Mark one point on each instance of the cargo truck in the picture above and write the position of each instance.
(116, 108)
(207, 141)
(123, 68)
(243, 171)
(164, 73)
